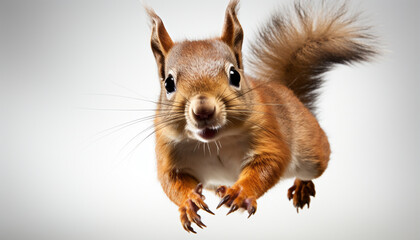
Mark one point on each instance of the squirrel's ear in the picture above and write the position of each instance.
(232, 33)
(160, 41)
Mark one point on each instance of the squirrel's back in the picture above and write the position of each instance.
(297, 47)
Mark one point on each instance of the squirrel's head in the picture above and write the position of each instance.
(204, 94)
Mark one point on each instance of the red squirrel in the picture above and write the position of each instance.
(237, 134)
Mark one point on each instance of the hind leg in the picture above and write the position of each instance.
(301, 193)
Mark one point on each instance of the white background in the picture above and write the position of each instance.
(56, 183)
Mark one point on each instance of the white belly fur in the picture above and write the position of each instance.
(213, 167)
(222, 166)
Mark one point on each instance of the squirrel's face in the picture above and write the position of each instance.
(204, 93)
(205, 85)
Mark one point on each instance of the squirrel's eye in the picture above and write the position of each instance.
(234, 77)
(170, 84)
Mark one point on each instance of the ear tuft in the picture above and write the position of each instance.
(232, 33)
(160, 40)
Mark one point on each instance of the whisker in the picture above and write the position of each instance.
(137, 145)
(150, 117)
(249, 90)
(126, 88)
(217, 147)
(219, 96)
(195, 148)
(244, 93)
(227, 97)
(119, 127)
(186, 99)
(165, 121)
(261, 104)
(239, 95)
(208, 146)
(126, 110)
(256, 124)
(253, 111)
(220, 144)
(250, 111)
(133, 98)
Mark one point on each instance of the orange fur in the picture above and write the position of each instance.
(266, 122)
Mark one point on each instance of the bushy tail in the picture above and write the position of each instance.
(297, 47)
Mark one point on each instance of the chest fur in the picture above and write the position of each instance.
(215, 163)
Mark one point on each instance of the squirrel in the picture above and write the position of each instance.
(237, 133)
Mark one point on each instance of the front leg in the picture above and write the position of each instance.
(258, 176)
(186, 192)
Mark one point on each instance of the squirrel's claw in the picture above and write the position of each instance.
(190, 207)
(199, 223)
(206, 208)
(236, 197)
(186, 223)
(223, 201)
(232, 209)
(188, 228)
(251, 211)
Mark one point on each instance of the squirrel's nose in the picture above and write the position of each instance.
(203, 109)
(203, 113)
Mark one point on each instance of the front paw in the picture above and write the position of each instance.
(237, 197)
(189, 208)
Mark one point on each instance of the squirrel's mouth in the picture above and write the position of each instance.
(207, 133)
